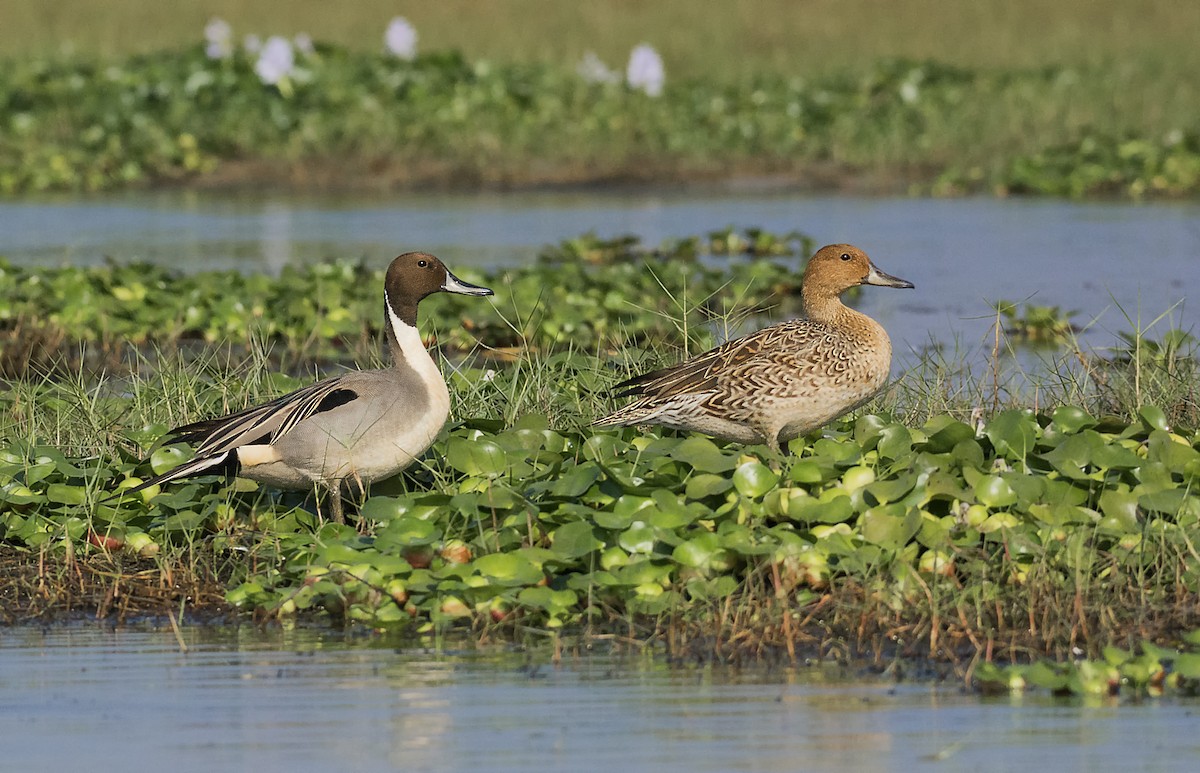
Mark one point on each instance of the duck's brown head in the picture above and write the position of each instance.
(416, 275)
(838, 267)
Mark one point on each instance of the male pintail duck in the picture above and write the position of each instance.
(355, 428)
(782, 381)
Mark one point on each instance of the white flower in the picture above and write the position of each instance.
(909, 92)
(645, 70)
(304, 44)
(401, 38)
(592, 70)
(276, 60)
(219, 37)
(252, 43)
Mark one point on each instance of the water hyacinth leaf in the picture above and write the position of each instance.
(1071, 419)
(574, 540)
(511, 569)
(408, 530)
(476, 457)
(1090, 677)
(1153, 417)
(895, 441)
(1172, 502)
(66, 495)
(36, 473)
(1046, 676)
(576, 480)
(183, 521)
(890, 526)
(638, 538)
(806, 471)
(1121, 506)
(944, 432)
(891, 490)
(1110, 456)
(669, 512)
(1013, 433)
(1115, 656)
(1177, 455)
(697, 551)
(837, 509)
(1187, 665)
(168, 458)
(706, 485)
(840, 454)
(554, 602)
(382, 509)
(994, 491)
(644, 572)
(703, 455)
(754, 479)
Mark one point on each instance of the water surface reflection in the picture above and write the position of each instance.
(247, 699)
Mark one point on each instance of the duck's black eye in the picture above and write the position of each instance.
(422, 263)
(845, 256)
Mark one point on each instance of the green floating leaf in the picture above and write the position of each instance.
(1153, 417)
(836, 510)
(509, 569)
(574, 540)
(754, 479)
(168, 458)
(890, 526)
(1071, 419)
(705, 485)
(383, 509)
(476, 457)
(577, 480)
(994, 491)
(944, 432)
(1187, 664)
(66, 495)
(698, 551)
(703, 455)
(1013, 433)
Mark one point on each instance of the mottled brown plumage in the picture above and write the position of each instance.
(782, 381)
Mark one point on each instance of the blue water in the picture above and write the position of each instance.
(1119, 265)
(245, 699)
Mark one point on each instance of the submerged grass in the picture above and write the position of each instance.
(970, 513)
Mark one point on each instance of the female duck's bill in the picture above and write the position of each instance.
(355, 428)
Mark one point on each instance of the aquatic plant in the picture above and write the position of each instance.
(645, 70)
(1033, 324)
(941, 520)
(400, 39)
(405, 119)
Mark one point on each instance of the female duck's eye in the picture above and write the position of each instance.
(422, 263)
(845, 256)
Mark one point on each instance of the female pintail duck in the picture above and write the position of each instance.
(782, 381)
(355, 428)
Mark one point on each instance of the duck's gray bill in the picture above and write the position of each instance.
(877, 277)
(455, 285)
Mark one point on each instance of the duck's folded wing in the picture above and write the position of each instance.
(217, 439)
(701, 373)
(263, 423)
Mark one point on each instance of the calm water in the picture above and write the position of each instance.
(247, 700)
(1105, 260)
